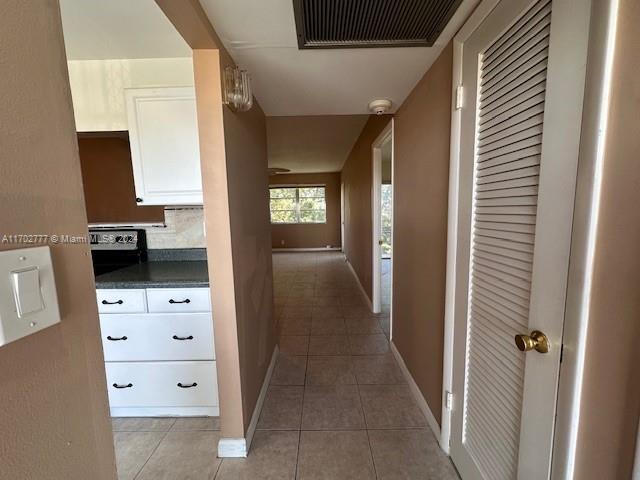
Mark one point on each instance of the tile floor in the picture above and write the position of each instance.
(338, 406)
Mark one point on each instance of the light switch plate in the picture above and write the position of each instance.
(28, 297)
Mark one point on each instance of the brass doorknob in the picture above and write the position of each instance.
(537, 341)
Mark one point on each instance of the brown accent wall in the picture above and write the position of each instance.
(357, 178)
(317, 235)
(236, 209)
(53, 400)
(246, 146)
(611, 394)
(233, 147)
(107, 176)
(421, 185)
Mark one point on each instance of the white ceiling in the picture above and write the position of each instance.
(115, 29)
(261, 37)
(314, 143)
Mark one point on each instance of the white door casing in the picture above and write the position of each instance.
(518, 149)
(376, 223)
(343, 241)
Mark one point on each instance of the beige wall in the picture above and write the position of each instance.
(246, 147)
(357, 178)
(53, 399)
(233, 147)
(611, 395)
(421, 185)
(317, 235)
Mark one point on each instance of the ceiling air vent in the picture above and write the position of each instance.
(371, 23)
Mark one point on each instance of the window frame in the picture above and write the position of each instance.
(297, 211)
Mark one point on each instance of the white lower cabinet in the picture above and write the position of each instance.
(178, 300)
(162, 384)
(121, 301)
(157, 336)
(160, 364)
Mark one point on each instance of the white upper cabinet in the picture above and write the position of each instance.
(163, 132)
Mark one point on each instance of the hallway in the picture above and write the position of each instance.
(338, 405)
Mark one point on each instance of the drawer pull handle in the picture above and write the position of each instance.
(190, 337)
(186, 300)
(128, 385)
(194, 384)
(117, 302)
(116, 339)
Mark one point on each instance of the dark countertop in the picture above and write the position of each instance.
(158, 274)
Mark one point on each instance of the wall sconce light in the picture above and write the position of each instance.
(237, 89)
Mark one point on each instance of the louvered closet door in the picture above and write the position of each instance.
(515, 224)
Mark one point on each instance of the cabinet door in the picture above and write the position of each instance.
(163, 131)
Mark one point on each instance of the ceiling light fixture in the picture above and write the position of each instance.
(237, 89)
(277, 170)
(380, 107)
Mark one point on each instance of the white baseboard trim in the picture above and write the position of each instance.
(362, 290)
(413, 386)
(263, 393)
(317, 249)
(239, 447)
(232, 448)
(165, 411)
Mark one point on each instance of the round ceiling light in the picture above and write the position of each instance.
(380, 106)
(276, 170)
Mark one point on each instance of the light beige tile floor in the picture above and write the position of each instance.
(338, 406)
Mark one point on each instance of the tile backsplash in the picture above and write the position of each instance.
(184, 228)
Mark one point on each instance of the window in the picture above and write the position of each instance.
(298, 204)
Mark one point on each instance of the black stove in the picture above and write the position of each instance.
(116, 248)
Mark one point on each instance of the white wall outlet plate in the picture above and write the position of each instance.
(28, 297)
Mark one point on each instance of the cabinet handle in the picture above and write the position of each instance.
(116, 339)
(194, 384)
(117, 302)
(139, 200)
(128, 385)
(186, 300)
(175, 337)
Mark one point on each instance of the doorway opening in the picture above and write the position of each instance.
(382, 221)
(140, 163)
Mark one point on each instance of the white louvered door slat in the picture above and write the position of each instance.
(514, 227)
(515, 154)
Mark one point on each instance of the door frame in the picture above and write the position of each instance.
(342, 215)
(376, 226)
(595, 38)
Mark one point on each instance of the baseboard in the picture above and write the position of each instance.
(422, 403)
(239, 447)
(362, 290)
(317, 249)
(232, 448)
(165, 411)
(263, 393)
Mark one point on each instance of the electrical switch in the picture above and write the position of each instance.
(26, 291)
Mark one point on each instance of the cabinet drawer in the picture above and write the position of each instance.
(157, 336)
(121, 300)
(178, 300)
(162, 384)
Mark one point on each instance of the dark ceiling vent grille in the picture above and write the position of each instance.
(371, 23)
